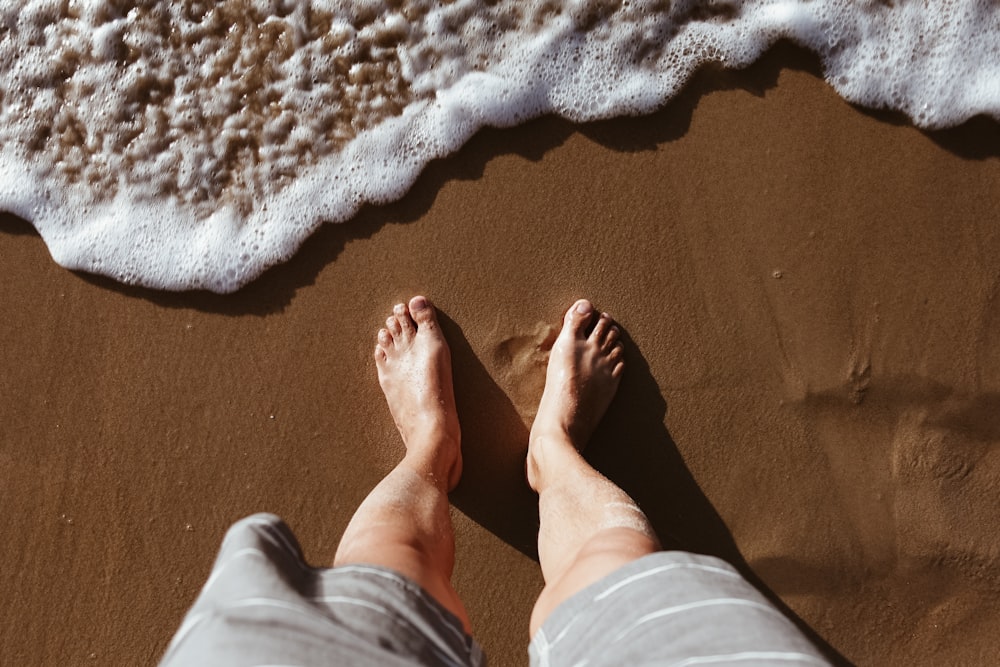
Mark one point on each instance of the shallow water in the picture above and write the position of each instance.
(193, 144)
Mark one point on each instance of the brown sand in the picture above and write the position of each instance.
(813, 389)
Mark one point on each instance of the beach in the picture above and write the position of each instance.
(809, 292)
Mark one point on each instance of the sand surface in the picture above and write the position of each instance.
(810, 294)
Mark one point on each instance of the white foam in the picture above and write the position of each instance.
(193, 144)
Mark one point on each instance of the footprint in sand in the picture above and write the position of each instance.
(916, 468)
(946, 468)
(520, 361)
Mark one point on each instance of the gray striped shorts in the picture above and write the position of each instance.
(262, 605)
(671, 609)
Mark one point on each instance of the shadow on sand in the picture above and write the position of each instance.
(494, 491)
(15, 226)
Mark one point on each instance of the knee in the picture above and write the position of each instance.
(601, 555)
(619, 544)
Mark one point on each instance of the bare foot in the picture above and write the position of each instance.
(414, 371)
(585, 367)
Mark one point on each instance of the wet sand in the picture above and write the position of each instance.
(810, 293)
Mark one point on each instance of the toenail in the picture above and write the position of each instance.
(584, 307)
(418, 303)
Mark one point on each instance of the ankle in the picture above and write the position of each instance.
(549, 436)
(548, 449)
(431, 432)
(555, 435)
(432, 453)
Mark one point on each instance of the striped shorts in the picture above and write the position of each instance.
(262, 605)
(670, 609)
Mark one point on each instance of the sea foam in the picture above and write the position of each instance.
(192, 144)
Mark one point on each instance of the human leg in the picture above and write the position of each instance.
(404, 524)
(388, 598)
(588, 526)
(641, 605)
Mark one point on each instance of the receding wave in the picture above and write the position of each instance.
(192, 144)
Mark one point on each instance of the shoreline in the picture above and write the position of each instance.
(809, 296)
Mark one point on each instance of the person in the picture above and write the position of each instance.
(611, 596)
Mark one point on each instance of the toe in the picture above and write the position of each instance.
(617, 353)
(406, 324)
(578, 317)
(601, 329)
(392, 324)
(423, 312)
(617, 371)
(380, 357)
(384, 339)
(612, 337)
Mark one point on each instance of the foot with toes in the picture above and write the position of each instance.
(585, 367)
(414, 371)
